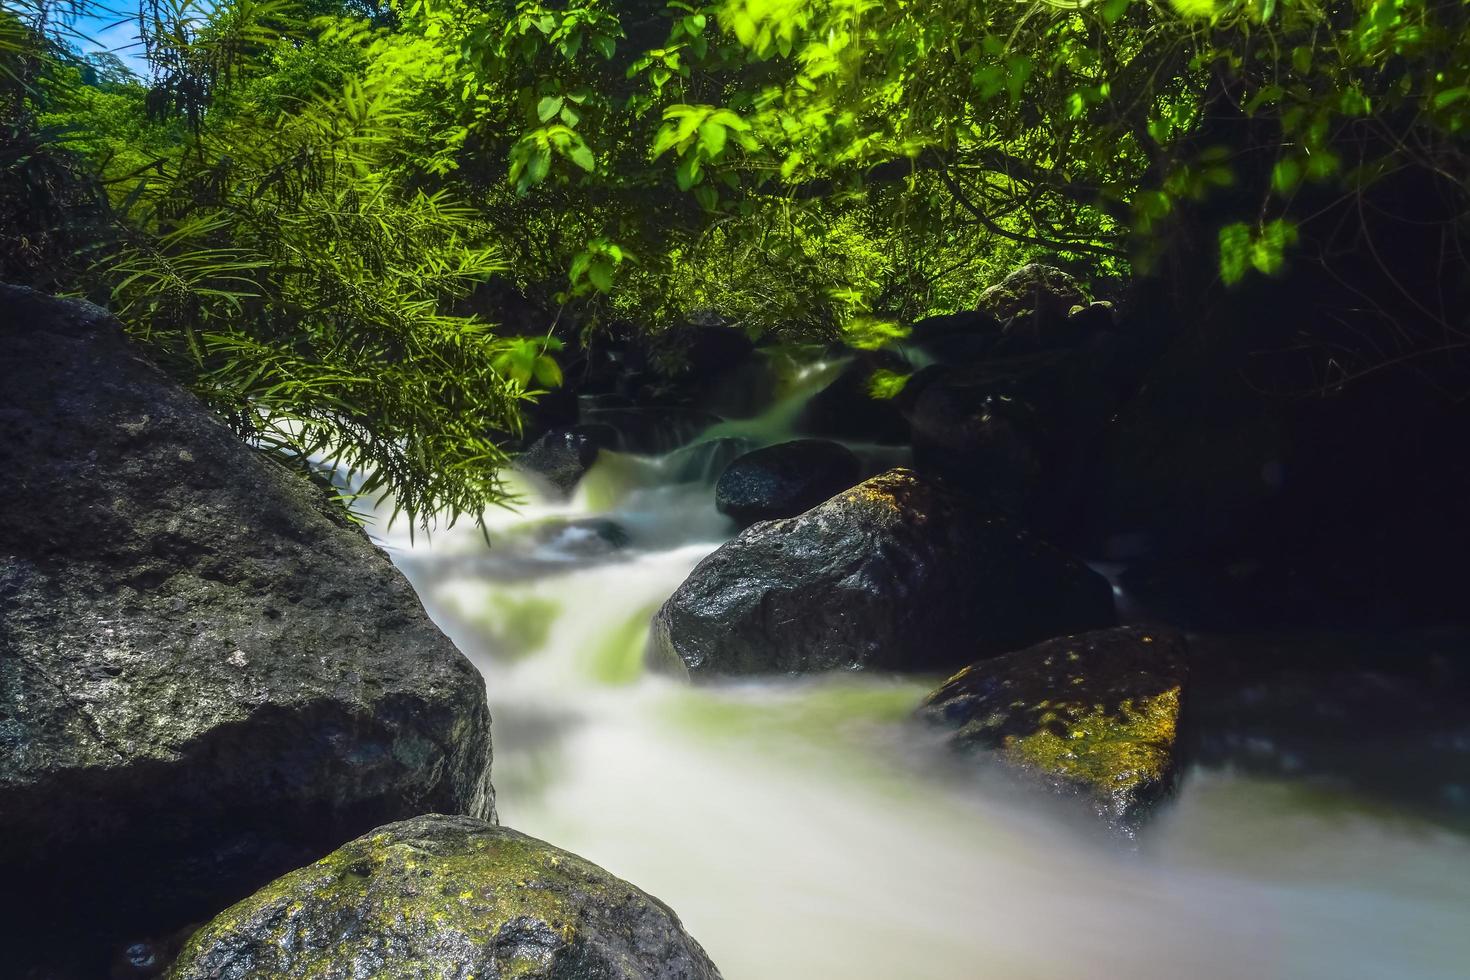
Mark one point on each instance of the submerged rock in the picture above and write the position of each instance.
(207, 674)
(897, 573)
(1095, 715)
(445, 896)
(784, 480)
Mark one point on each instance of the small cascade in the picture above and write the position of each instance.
(803, 829)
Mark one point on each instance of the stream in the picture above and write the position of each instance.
(804, 828)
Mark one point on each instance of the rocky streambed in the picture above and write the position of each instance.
(812, 668)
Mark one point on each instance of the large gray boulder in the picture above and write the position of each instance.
(1094, 716)
(207, 675)
(446, 897)
(896, 573)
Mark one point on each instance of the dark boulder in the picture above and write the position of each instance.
(1094, 715)
(561, 457)
(699, 350)
(446, 897)
(955, 338)
(1035, 303)
(847, 408)
(896, 573)
(207, 674)
(1025, 431)
(980, 437)
(784, 480)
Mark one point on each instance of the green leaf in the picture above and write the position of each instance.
(1286, 175)
(1450, 96)
(1194, 9)
(600, 274)
(885, 384)
(1235, 244)
(712, 138)
(548, 372)
(538, 166)
(582, 156)
(687, 174)
(548, 107)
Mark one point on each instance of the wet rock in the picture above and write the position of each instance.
(784, 480)
(896, 573)
(207, 674)
(441, 896)
(1094, 715)
(562, 457)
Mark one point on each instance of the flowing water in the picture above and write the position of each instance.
(802, 828)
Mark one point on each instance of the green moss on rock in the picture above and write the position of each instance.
(442, 896)
(1095, 714)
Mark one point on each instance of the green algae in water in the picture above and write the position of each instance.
(619, 658)
(824, 711)
(519, 626)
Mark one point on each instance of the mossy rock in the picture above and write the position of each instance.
(1095, 715)
(446, 897)
(207, 674)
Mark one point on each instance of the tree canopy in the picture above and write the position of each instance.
(308, 209)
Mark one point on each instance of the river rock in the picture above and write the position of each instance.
(1094, 715)
(441, 896)
(784, 480)
(207, 674)
(895, 573)
(562, 457)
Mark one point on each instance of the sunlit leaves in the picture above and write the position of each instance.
(1195, 9)
(595, 267)
(530, 158)
(1263, 248)
(527, 359)
(872, 333)
(884, 384)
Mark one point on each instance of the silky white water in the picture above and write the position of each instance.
(802, 828)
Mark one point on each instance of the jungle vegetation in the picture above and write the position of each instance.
(311, 210)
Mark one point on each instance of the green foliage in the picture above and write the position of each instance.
(52, 209)
(301, 203)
